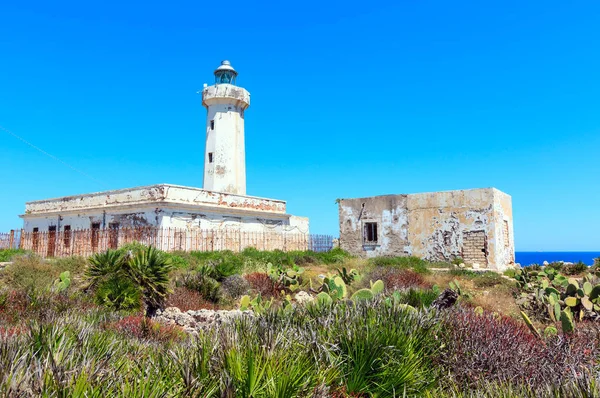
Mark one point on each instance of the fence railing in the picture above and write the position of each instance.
(85, 242)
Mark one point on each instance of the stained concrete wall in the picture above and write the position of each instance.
(475, 225)
(391, 214)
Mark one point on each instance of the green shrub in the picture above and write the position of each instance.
(235, 286)
(76, 265)
(203, 284)
(417, 298)
(7, 254)
(119, 293)
(146, 267)
(30, 271)
(575, 269)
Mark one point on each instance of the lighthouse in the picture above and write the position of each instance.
(225, 158)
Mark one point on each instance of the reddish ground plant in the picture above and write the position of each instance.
(142, 328)
(11, 331)
(396, 279)
(263, 284)
(186, 299)
(403, 279)
(490, 348)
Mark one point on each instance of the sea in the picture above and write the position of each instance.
(528, 258)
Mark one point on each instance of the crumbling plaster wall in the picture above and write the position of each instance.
(388, 211)
(437, 226)
(504, 244)
(438, 222)
(167, 217)
(162, 193)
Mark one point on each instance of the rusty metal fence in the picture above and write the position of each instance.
(85, 242)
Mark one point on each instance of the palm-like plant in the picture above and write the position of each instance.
(149, 269)
(103, 266)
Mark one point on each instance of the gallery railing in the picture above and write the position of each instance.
(85, 242)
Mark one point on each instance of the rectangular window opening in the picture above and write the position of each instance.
(370, 233)
(210, 157)
(212, 124)
(95, 237)
(67, 236)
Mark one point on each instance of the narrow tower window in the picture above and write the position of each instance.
(210, 158)
(212, 124)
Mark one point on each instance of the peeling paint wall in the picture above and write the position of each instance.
(164, 206)
(162, 193)
(388, 211)
(437, 226)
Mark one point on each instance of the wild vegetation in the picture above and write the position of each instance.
(82, 327)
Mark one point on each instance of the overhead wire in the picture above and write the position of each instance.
(52, 156)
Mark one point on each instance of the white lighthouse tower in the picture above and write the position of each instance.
(225, 158)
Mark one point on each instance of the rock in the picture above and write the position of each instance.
(461, 265)
(193, 321)
(476, 266)
(545, 263)
(303, 297)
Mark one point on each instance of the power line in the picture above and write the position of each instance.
(52, 156)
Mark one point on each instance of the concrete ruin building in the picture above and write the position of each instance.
(475, 225)
(222, 204)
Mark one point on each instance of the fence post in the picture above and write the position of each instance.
(11, 239)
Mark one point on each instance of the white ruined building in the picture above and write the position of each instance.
(221, 205)
(475, 225)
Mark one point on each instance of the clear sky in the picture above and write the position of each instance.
(348, 100)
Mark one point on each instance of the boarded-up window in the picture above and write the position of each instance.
(95, 236)
(506, 234)
(67, 236)
(474, 248)
(370, 233)
(51, 241)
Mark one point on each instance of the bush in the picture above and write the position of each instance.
(30, 271)
(418, 298)
(119, 293)
(203, 284)
(262, 284)
(575, 269)
(7, 254)
(76, 265)
(235, 286)
(186, 299)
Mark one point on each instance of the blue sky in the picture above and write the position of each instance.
(348, 100)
